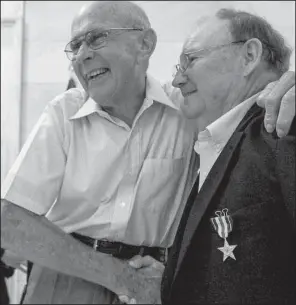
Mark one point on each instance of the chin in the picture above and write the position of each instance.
(100, 96)
(192, 108)
(187, 113)
(190, 115)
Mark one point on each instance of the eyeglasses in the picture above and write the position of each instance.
(189, 57)
(94, 39)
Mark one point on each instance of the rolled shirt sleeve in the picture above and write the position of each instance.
(36, 176)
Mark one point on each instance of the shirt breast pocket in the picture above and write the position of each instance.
(160, 181)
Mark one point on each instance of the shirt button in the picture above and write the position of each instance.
(122, 204)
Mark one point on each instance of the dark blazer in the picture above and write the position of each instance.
(254, 178)
(5, 272)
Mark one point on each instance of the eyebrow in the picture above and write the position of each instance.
(77, 36)
(187, 50)
(194, 51)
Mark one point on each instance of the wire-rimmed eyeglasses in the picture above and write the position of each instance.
(94, 39)
(189, 57)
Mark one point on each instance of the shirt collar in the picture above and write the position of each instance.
(89, 106)
(221, 130)
(154, 92)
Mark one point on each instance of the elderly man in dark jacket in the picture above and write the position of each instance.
(236, 242)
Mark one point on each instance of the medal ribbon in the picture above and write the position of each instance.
(222, 224)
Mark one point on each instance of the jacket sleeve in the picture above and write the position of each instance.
(285, 169)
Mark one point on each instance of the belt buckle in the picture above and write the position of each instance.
(104, 242)
(101, 243)
(141, 251)
(110, 247)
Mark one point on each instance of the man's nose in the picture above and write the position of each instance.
(84, 52)
(179, 80)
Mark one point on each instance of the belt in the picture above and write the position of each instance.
(121, 250)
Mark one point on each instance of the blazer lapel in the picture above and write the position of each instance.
(211, 184)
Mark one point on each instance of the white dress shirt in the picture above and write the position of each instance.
(212, 140)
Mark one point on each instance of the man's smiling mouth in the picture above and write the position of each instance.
(186, 94)
(96, 73)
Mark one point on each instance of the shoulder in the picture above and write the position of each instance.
(256, 131)
(66, 104)
(292, 131)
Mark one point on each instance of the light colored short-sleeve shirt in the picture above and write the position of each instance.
(90, 173)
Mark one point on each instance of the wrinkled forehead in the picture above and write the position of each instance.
(211, 32)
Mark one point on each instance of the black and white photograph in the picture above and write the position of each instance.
(148, 152)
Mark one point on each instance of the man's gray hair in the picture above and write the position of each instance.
(244, 26)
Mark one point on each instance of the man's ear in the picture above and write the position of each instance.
(149, 40)
(252, 55)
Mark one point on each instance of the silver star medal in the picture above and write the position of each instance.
(227, 250)
(223, 226)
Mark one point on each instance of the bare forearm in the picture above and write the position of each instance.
(38, 240)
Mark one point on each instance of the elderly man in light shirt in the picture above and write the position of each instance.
(113, 169)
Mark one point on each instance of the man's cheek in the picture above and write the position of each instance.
(82, 80)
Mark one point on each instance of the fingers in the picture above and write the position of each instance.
(123, 299)
(126, 300)
(261, 100)
(286, 113)
(272, 96)
(136, 262)
(145, 261)
(150, 268)
(265, 100)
